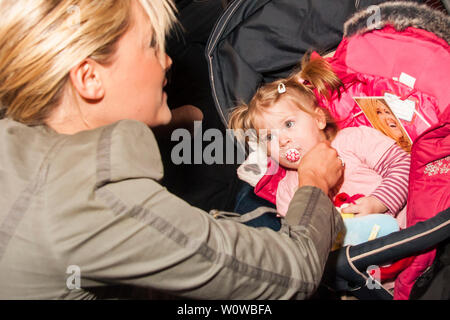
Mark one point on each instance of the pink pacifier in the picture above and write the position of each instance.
(292, 155)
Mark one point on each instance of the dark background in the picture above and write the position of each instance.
(204, 186)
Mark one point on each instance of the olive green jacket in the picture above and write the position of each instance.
(83, 216)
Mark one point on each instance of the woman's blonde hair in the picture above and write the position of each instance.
(313, 76)
(370, 108)
(42, 40)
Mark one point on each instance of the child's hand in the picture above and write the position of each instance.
(366, 205)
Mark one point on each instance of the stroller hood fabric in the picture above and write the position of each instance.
(408, 40)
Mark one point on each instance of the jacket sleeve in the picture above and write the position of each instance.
(137, 233)
(394, 167)
(388, 160)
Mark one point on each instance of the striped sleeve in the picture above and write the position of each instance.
(394, 168)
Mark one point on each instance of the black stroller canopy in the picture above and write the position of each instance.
(258, 41)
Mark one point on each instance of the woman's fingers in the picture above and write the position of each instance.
(321, 167)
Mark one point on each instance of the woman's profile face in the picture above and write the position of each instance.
(135, 79)
(388, 119)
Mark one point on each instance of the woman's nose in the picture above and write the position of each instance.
(168, 62)
(165, 61)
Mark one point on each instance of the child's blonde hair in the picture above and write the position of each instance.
(42, 40)
(313, 75)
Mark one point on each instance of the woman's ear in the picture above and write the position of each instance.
(86, 80)
(321, 118)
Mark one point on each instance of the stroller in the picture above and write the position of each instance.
(258, 41)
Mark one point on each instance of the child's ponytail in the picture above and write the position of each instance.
(317, 73)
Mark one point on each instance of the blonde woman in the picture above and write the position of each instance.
(81, 82)
(382, 119)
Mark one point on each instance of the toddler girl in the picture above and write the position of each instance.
(289, 122)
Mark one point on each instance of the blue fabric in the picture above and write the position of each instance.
(358, 229)
(247, 201)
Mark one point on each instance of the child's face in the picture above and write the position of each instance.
(285, 128)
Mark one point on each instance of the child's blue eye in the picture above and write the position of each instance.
(289, 124)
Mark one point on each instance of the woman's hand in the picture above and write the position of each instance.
(320, 168)
(183, 117)
(366, 205)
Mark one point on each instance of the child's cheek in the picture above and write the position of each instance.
(285, 163)
(289, 165)
(275, 155)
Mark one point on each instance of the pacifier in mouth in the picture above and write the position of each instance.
(292, 155)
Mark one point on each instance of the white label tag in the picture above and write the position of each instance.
(403, 109)
(408, 80)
